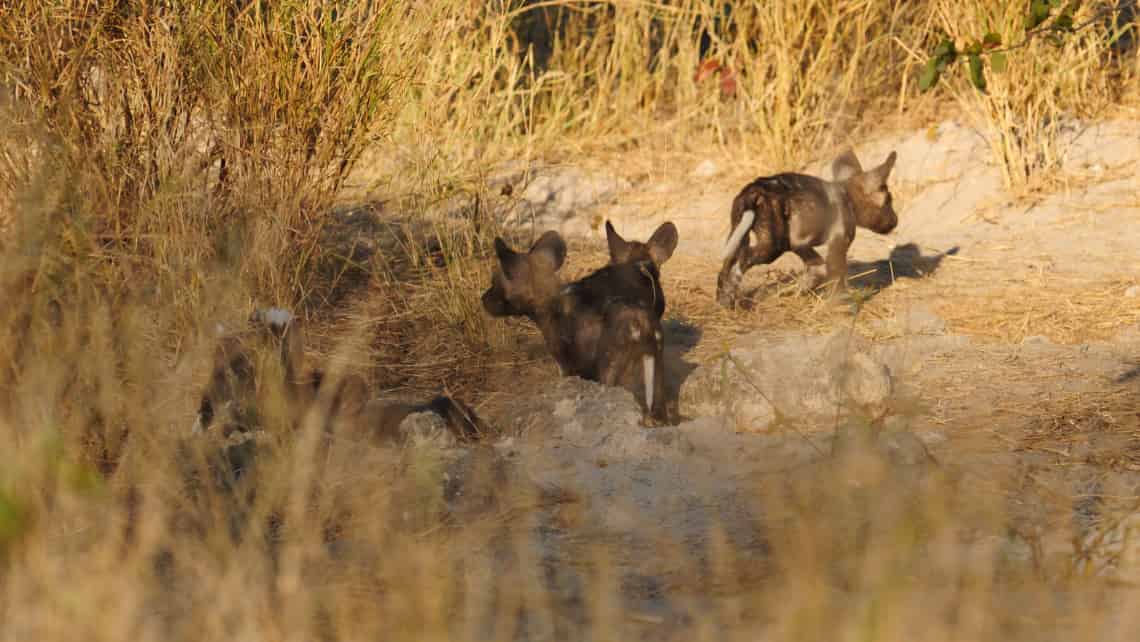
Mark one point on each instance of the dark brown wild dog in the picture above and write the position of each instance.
(656, 250)
(229, 399)
(594, 327)
(793, 212)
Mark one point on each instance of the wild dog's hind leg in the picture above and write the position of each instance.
(732, 273)
(728, 281)
(815, 269)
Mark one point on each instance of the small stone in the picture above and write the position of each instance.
(753, 414)
(566, 408)
(1036, 339)
(706, 169)
(1132, 292)
(426, 427)
(904, 448)
(868, 382)
(922, 320)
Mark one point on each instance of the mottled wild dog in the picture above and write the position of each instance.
(793, 212)
(655, 251)
(230, 397)
(594, 327)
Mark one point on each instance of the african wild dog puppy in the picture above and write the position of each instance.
(230, 397)
(658, 248)
(594, 327)
(654, 252)
(793, 212)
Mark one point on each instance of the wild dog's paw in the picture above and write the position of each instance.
(810, 280)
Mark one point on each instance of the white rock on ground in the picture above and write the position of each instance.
(915, 319)
(556, 194)
(790, 376)
(706, 169)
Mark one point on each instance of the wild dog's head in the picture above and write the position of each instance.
(874, 209)
(657, 249)
(229, 399)
(521, 283)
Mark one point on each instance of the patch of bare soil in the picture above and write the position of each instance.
(996, 351)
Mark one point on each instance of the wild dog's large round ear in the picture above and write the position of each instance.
(663, 242)
(619, 247)
(550, 248)
(845, 166)
(508, 258)
(502, 250)
(877, 177)
(888, 165)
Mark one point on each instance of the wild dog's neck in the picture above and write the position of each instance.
(848, 196)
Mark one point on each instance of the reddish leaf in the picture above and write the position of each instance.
(706, 69)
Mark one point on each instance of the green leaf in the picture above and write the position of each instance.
(973, 49)
(1064, 21)
(998, 62)
(991, 40)
(1056, 4)
(977, 75)
(929, 76)
(1038, 13)
(81, 478)
(945, 52)
(13, 517)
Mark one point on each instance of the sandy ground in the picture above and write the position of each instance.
(1005, 335)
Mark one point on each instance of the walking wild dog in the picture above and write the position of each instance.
(230, 397)
(656, 251)
(793, 212)
(594, 327)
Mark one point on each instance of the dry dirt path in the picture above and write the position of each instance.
(1010, 329)
(998, 355)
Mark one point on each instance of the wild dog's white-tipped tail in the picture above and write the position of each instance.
(647, 374)
(275, 316)
(738, 234)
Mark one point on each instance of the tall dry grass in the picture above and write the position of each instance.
(526, 79)
(165, 165)
(171, 130)
(1048, 83)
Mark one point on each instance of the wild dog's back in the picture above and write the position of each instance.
(638, 282)
(794, 209)
(798, 213)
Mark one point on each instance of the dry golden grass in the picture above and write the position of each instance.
(1063, 312)
(1023, 119)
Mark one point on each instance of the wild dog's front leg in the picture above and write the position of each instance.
(837, 265)
(632, 333)
(615, 349)
(659, 407)
(557, 338)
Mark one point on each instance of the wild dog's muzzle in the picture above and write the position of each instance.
(497, 305)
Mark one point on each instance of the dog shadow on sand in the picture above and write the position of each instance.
(904, 262)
